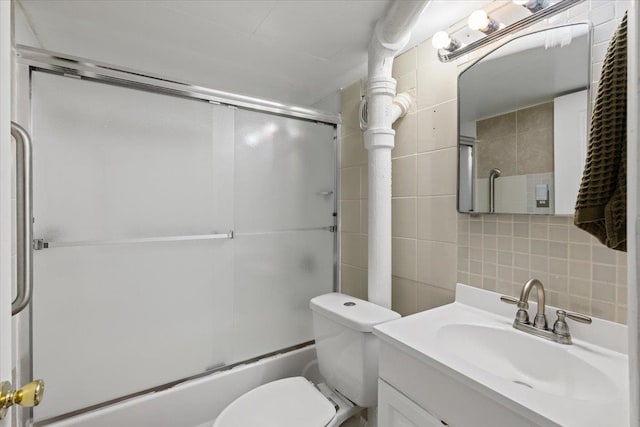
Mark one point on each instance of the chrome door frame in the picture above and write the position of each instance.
(22, 345)
(99, 71)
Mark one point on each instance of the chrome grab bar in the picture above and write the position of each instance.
(39, 244)
(493, 174)
(24, 218)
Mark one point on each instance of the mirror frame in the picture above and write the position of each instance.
(589, 106)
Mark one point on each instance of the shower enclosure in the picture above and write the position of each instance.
(177, 230)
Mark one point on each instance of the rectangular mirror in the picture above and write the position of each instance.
(523, 113)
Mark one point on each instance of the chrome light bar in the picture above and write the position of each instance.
(547, 12)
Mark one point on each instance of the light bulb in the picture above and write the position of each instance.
(441, 40)
(478, 20)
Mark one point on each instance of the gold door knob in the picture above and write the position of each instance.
(28, 396)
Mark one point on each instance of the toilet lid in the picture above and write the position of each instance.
(291, 402)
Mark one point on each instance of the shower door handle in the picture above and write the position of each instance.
(24, 218)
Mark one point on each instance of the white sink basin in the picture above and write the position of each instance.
(530, 362)
(473, 342)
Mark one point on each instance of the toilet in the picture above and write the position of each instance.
(347, 354)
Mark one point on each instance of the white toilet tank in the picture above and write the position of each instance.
(347, 349)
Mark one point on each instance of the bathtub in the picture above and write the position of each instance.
(197, 402)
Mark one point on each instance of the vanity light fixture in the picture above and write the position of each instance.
(480, 21)
(442, 40)
(533, 5)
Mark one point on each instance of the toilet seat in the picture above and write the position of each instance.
(290, 402)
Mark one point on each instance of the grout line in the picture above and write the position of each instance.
(436, 150)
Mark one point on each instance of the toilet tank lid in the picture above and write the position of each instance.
(352, 312)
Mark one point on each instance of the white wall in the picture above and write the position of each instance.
(5, 195)
(570, 129)
(330, 103)
(23, 31)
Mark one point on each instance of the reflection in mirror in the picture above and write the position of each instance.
(522, 123)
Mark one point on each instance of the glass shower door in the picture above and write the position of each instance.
(284, 251)
(113, 164)
(137, 283)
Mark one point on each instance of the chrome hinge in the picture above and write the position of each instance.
(39, 244)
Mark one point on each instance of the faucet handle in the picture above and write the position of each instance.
(521, 316)
(515, 301)
(576, 317)
(509, 300)
(561, 329)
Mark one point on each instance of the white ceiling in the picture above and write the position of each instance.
(293, 51)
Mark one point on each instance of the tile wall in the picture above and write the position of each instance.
(520, 144)
(507, 141)
(433, 245)
(501, 252)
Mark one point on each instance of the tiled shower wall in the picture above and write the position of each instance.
(520, 145)
(507, 141)
(433, 246)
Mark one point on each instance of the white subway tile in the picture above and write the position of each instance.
(602, 33)
(404, 258)
(603, 13)
(405, 63)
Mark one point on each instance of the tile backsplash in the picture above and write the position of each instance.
(433, 245)
(501, 252)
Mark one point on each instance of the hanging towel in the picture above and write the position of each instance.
(601, 207)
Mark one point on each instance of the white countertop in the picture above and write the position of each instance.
(493, 355)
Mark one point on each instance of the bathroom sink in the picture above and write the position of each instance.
(530, 362)
(470, 348)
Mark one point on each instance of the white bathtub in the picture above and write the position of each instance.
(197, 402)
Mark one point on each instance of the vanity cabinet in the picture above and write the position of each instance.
(397, 410)
(415, 393)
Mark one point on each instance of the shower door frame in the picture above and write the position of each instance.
(29, 60)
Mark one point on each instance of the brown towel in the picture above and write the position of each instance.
(601, 208)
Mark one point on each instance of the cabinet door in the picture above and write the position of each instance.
(397, 410)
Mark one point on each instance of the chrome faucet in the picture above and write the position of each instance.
(559, 333)
(540, 320)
